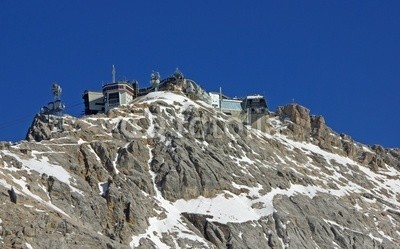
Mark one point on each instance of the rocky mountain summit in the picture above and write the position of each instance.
(168, 171)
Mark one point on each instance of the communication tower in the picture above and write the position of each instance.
(54, 108)
(178, 74)
(155, 80)
(58, 106)
(56, 90)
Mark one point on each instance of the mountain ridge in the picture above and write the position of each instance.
(170, 172)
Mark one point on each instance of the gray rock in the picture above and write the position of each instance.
(329, 191)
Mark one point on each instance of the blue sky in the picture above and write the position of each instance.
(340, 59)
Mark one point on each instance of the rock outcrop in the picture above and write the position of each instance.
(171, 172)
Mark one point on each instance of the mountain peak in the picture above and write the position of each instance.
(171, 171)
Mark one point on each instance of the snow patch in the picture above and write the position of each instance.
(228, 207)
(43, 166)
(81, 141)
(172, 224)
(168, 97)
(114, 164)
(25, 191)
(103, 187)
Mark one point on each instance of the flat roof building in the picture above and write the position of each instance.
(112, 95)
(231, 105)
(116, 94)
(94, 102)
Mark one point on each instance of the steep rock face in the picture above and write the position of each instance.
(169, 172)
(40, 129)
(299, 115)
(302, 126)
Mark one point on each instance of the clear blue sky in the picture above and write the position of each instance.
(340, 59)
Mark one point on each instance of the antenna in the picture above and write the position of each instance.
(220, 99)
(56, 90)
(178, 74)
(113, 74)
(155, 80)
(55, 107)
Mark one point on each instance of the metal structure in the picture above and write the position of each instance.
(113, 74)
(178, 74)
(155, 80)
(54, 109)
(56, 90)
(58, 106)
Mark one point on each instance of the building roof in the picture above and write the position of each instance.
(255, 97)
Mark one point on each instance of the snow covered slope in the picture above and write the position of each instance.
(171, 172)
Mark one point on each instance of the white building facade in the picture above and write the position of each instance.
(116, 94)
(215, 99)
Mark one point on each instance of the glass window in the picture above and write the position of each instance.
(113, 98)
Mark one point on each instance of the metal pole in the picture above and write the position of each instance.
(113, 74)
(220, 99)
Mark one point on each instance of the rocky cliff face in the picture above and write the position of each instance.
(169, 172)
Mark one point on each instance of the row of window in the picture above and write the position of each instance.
(119, 87)
(231, 105)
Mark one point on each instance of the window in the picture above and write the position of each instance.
(113, 98)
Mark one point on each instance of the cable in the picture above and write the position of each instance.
(74, 105)
(19, 120)
(13, 122)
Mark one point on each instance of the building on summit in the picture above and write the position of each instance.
(248, 110)
(252, 104)
(113, 94)
(93, 101)
(119, 93)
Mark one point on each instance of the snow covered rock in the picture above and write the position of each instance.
(171, 172)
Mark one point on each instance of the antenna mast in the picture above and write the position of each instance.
(56, 90)
(113, 74)
(155, 80)
(220, 99)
